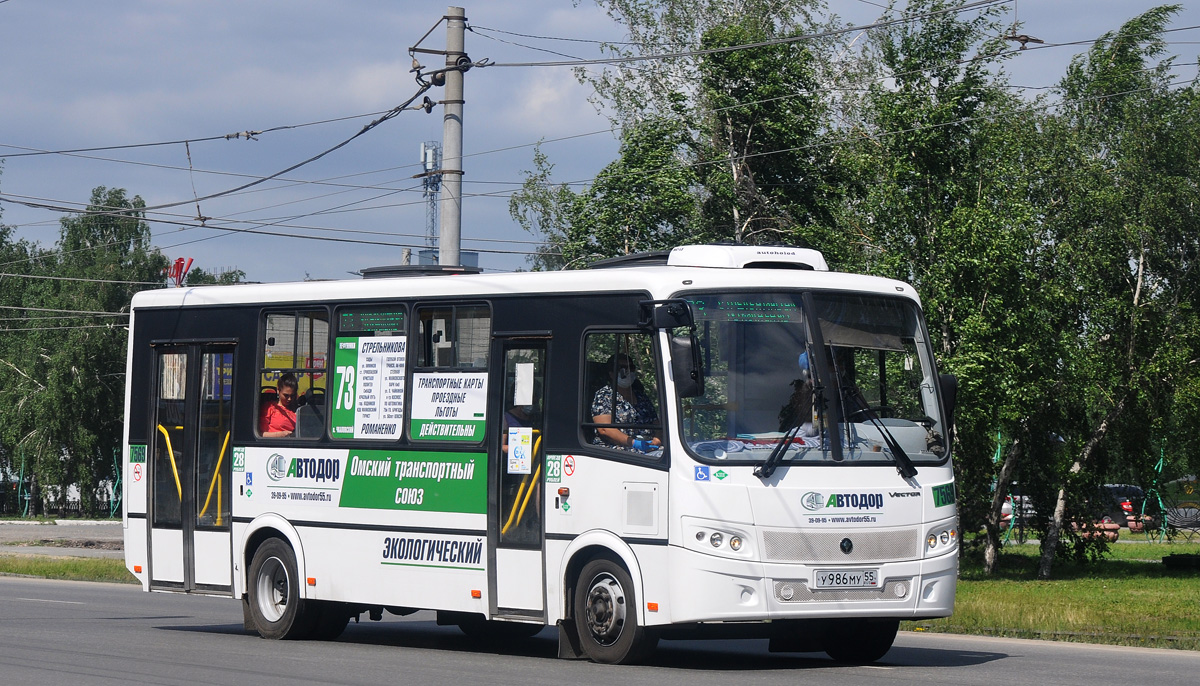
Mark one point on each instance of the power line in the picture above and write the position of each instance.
(390, 114)
(66, 328)
(980, 4)
(46, 309)
(247, 135)
(79, 279)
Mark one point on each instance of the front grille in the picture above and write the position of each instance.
(797, 591)
(825, 546)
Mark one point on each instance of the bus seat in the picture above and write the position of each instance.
(310, 416)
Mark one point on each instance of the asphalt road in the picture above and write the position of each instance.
(84, 634)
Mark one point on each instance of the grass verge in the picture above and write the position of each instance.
(1129, 598)
(70, 568)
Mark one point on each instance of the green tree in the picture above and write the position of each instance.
(642, 201)
(944, 201)
(199, 277)
(1127, 231)
(632, 91)
(66, 376)
(764, 178)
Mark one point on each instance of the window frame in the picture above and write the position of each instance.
(587, 395)
(318, 345)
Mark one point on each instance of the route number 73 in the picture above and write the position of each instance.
(345, 390)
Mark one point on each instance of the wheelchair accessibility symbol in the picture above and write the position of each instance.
(702, 473)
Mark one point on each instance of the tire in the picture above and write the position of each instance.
(605, 615)
(862, 641)
(276, 607)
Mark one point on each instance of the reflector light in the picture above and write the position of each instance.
(652, 607)
(476, 593)
(137, 569)
(312, 581)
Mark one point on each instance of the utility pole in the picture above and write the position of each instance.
(452, 138)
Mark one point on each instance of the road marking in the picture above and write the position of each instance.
(44, 600)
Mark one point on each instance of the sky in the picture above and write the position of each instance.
(83, 74)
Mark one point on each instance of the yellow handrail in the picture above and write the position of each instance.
(514, 514)
(216, 478)
(521, 514)
(171, 453)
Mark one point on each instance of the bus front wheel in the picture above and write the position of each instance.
(275, 603)
(605, 614)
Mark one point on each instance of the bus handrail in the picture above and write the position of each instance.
(216, 478)
(171, 454)
(519, 515)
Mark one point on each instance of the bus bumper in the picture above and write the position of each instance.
(707, 588)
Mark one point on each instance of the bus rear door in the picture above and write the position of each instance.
(192, 418)
(517, 575)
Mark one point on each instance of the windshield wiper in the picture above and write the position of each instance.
(904, 463)
(768, 467)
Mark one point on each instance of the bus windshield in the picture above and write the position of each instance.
(769, 377)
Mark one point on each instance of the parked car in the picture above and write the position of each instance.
(1122, 505)
(1021, 504)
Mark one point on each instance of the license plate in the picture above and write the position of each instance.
(847, 578)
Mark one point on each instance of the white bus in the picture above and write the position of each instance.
(719, 441)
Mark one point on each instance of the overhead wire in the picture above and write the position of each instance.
(783, 40)
(332, 210)
(248, 135)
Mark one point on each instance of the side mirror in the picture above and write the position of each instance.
(686, 372)
(665, 314)
(949, 388)
(685, 366)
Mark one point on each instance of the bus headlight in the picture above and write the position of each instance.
(716, 539)
(941, 539)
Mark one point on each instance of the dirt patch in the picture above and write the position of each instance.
(63, 543)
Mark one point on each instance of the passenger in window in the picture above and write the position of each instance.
(632, 406)
(278, 419)
(799, 409)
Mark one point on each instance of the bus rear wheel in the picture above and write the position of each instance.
(862, 641)
(275, 604)
(605, 615)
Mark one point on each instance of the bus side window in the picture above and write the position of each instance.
(454, 336)
(292, 378)
(620, 404)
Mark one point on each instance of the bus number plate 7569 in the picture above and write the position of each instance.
(847, 578)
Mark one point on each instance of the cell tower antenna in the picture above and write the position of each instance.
(431, 160)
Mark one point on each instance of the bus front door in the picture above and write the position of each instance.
(517, 585)
(192, 416)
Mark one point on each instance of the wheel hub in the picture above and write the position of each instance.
(273, 590)
(606, 609)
